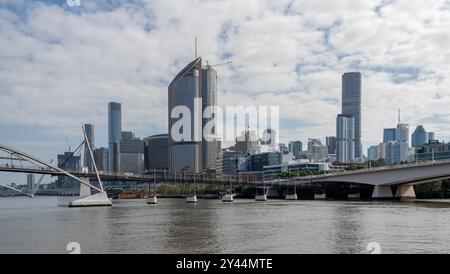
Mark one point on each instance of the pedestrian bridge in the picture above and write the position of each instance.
(404, 177)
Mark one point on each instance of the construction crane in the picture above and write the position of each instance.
(219, 64)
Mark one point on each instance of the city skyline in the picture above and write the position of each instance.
(308, 87)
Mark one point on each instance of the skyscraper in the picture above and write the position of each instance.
(211, 148)
(89, 129)
(114, 135)
(186, 155)
(131, 155)
(345, 138)
(431, 136)
(331, 144)
(373, 153)
(351, 105)
(69, 162)
(296, 148)
(30, 182)
(419, 137)
(389, 134)
(403, 133)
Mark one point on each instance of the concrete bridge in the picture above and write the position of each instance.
(404, 177)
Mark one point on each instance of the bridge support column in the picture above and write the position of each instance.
(405, 192)
(382, 192)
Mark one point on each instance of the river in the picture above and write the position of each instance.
(41, 226)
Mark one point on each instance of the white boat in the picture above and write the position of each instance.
(291, 196)
(261, 198)
(322, 196)
(191, 199)
(227, 198)
(354, 196)
(152, 201)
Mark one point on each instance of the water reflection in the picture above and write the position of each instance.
(172, 226)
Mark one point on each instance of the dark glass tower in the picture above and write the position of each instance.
(114, 135)
(351, 104)
(186, 155)
(89, 129)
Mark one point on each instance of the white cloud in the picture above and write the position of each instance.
(61, 66)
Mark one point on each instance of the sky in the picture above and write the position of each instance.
(61, 65)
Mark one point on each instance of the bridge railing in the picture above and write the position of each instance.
(359, 171)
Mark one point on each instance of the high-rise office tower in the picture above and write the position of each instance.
(211, 148)
(30, 182)
(114, 135)
(331, 144)
(296, 148)
(373, 153)
(186, 155)
(351, 104)
(317, 152)
(345, 138)
(101, 158)
(89, 129)
(431, 136)
(403, 133)
(419, 137)
(72, 163)
(131, 155)
(389, 134)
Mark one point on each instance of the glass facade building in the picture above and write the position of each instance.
(114, 135)
(186, 155)
(210, 149)
(345, 138)
(389, 134)
(156, 152)
(89, 129)
(419, 137)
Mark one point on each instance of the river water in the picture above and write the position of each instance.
(276, 226)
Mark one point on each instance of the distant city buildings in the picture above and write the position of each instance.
(247, 143)
(317, 152)
(351, 105)
(419, 137)
(373, 153)
(431, 136)
(433, 151)
(257, 162)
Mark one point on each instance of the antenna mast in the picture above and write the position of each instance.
(195, 47)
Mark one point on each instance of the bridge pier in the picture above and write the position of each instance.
(382, 192)
(405, 192)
